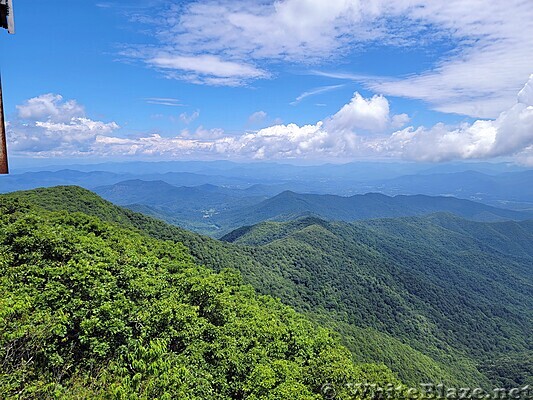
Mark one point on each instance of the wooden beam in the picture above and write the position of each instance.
(4, 168)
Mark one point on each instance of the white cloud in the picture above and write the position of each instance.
(288, 30)
(187, 119)
(206, 68)
(399, 120)
(278, 141)
(525, 157)
(203, 134)
(222, 43)
(152, 145)
(164, 101)
(364, 114)
(509, 134)
(256, 117)
(488, 65)
(364, 127)
(49, 125)
(314, 92)
(50, 106)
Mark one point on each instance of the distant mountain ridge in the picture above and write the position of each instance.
(501, 185)
(289, 205)
(511, 186)
(192, 207)
(218, 210)
(217, 204)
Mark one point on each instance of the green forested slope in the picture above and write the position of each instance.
(288, 205)
(435, 298)
(92, 310)
(215, 211)
(444, 285)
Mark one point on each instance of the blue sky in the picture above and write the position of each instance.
(295, 79)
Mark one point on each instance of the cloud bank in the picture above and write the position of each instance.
(49, 126)
(364, 127)
(218, 42)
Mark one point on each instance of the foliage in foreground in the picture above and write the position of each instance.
(436, 299)
(88, 309)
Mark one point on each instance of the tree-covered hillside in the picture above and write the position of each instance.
(92, 310)
(215, 211)
(288, 205)
(189, 207)
(444, 285)
(435, 298)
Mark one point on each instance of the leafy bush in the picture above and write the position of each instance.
(89, 309)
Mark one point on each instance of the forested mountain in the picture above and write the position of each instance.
(89, 309)
(498, 184)
(500, 189)
(435, 298)
(192, 208)
(437, 282)
(289, 205)
(215, 210)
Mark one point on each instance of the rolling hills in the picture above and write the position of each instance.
(215, 210)
(288, 205)
(192, 208)
(89, 309)
(435, 298)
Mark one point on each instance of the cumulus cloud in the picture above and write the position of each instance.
(202, 133)
(257, 117)
(364, 127)
(188, 118)
(509, 134)
(47, 124)
(50, 106)
(365, 114)
(152, 145)
(345, 134)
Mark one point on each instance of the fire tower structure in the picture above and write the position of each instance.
(6, 22)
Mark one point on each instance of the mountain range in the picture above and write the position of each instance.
(498, 184)
(435, 298)
(217, 210)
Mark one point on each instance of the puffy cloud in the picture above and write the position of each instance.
(202, 133)
(50, 106)
(525, 157)
(257, 117)
(278, 141)
(187, 119)
(49, 125)
(364, 127)
(440, 143)
(509, 134)
(152, 145)
(399, 120)
(364, 114)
